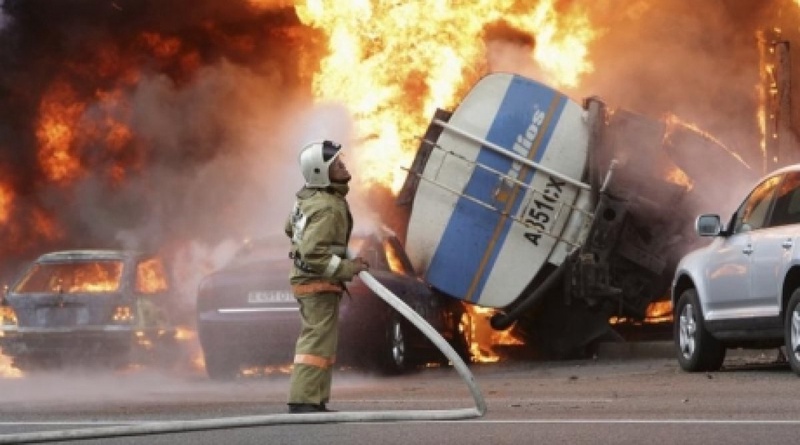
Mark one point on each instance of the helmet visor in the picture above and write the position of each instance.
(329, 150)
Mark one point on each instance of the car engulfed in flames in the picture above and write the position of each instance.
(108, 307)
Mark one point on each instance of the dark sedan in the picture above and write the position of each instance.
(247, 315)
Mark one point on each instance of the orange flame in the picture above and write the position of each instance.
(394, 63)
(60, 112)
(767, 89)
(96, 277)
(659, 312)
(7, 370)
(44, 225)
(484, 340)
(150, 276)
(6, 200)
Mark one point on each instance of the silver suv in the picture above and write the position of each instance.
(743, 289)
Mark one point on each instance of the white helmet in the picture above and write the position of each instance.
(315, 160)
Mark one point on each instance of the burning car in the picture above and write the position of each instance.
(248, 316)
(100, 306)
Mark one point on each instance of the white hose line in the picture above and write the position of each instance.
(150, 428)
(434, 336)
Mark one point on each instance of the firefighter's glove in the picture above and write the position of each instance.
(360, 264)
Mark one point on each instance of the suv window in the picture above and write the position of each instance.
(74, 277)
(787, 201)
(150, 276)
(752, 214)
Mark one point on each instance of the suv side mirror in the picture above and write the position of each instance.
(708, 225)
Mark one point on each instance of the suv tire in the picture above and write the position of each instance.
(792, 331)
(697, 349)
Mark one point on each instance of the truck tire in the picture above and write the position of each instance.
(696, 348)
(791, 328)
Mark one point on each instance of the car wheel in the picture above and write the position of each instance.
(219, 366)
(697, 349)
(394, 359)
(792, 331)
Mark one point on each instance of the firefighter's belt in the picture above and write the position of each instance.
(316, 287)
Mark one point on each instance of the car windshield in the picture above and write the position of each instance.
(73, 277)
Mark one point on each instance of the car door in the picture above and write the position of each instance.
(772, 248)
(728, 268)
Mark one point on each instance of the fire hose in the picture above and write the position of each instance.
(151, 428)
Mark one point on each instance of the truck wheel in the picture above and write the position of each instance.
(393, 351)
(219, 366)
(792, 331)
(697, 349)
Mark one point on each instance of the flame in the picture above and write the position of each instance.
(679, 177)
(184, 333)
(394, 63)
(674, 122)
(96, 277)
(60, 112)
(150, 276)
(395, 264)
(659, 312)
(6, 201)
(484, 340)
(767, 91)
(7, 370)
(44, 225)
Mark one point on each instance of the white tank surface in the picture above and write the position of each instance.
(496, 197)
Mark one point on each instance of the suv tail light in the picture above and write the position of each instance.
(123, 314)
(7, 316)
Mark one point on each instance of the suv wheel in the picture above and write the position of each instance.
(792, 331)
(697, 349)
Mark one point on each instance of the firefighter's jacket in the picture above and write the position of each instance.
(319, 227)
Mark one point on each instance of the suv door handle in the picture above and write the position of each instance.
(787, 244)
(748, 249)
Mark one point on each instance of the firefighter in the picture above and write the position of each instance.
(319, 227)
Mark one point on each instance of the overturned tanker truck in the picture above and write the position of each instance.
(558, 215)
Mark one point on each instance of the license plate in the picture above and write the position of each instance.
(54, 317)
(269, 296)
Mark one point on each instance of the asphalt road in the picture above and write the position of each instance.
(628, 394)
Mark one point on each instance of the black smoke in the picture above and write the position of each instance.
(207, 89)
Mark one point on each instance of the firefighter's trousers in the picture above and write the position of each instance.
(315, 351)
